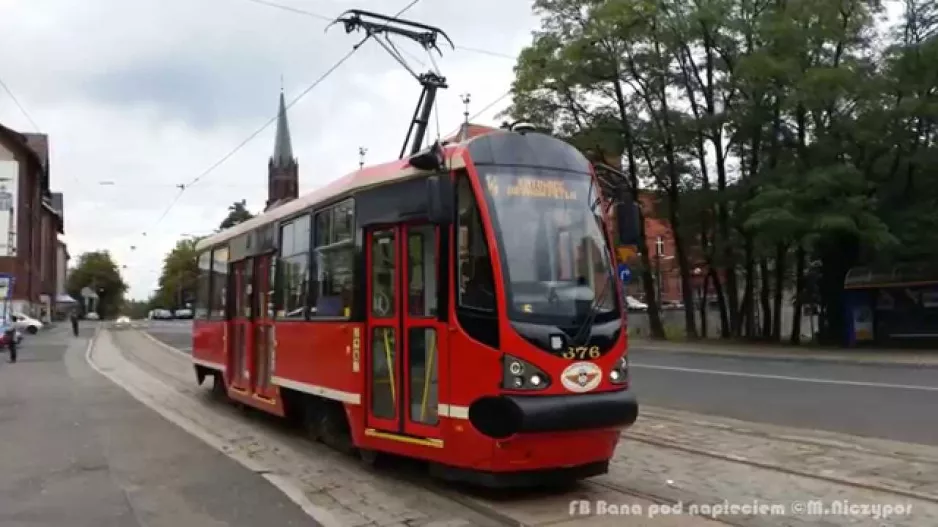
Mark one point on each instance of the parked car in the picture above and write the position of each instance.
(634, 305)
(26, 324)
(161, 314)
(183, 314)
(92, 316)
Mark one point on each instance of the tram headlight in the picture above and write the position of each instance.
(518, 374)
(619, 374)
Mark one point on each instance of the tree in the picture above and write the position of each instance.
(179, 276)
(237, 213)
(98, 271)
(136, 309)
(785, 141)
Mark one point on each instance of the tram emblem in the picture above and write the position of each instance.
(581, 377)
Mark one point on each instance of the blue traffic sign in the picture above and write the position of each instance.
(625, 274)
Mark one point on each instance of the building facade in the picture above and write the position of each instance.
(29, 223)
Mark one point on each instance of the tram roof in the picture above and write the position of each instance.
(368, 177)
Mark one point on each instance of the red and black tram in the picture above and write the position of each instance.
(459, 305)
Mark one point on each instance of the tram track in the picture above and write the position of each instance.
(886, 448)
(481, 501)
(893, 489)
(177, 373)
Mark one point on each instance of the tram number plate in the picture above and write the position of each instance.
(582, 352)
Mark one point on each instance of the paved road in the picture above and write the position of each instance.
(891, 402)
(77, 450)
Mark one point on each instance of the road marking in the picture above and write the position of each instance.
(165, 345)
(787, 378)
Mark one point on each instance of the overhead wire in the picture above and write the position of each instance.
(299, 11)
(324, 76)
(19, 105)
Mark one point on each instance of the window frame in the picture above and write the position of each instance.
(463, 178)
(203, 299)
(281, 259)
(324, 243)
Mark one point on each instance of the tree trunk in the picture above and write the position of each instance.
(703, 305)
(800, 265)
(765, 293)
(781, 252)
(655, 327)
(725, 328)
(748, 308)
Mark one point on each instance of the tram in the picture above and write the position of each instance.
(458, 305)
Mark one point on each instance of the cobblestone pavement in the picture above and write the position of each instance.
(332, 488)
(687, 460)
(693, 458)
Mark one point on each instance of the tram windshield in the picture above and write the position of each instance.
(555, 259)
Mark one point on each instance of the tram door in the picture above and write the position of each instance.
(404, 355)
(263, 331)
(241, 283)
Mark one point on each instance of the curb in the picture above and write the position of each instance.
(790, 357)
(162, 344)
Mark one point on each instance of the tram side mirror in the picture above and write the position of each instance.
(627, 223)
(440, 199)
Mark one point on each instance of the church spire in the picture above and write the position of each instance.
(283, 147)
(282, 169)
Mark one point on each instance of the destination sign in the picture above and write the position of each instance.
(529, 187)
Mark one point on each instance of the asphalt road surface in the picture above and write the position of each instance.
(890, 402)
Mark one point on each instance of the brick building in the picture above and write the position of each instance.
(30, 221)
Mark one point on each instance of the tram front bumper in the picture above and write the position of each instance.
(503, 416)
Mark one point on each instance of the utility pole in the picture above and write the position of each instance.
(361, 157)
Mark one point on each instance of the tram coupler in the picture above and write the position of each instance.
(503, 416)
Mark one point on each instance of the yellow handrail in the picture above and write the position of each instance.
(387, 354)
(428, 367)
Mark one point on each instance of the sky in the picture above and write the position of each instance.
(139, 97)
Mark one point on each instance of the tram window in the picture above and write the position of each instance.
(334, 253)
(324, 228)
(219, 294)
(343, 221)
(203, 290)
(383, 274)
(476, 279)
(421, 271)
(333, 294)
(293, 270)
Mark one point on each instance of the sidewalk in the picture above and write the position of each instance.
(78, 451)
(788, 352)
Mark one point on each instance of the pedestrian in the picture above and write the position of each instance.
(11, 342)
(74, 319)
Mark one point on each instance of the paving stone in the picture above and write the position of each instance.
(356, 496)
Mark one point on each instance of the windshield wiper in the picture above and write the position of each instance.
(593, 311)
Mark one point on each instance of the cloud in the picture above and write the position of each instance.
(146, 95)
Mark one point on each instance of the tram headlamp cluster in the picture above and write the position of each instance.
(518, 374)
(619, 374)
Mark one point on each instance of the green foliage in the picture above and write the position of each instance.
(762, 126)
(98, 271)
(179, 276)
(136, 309)
(237, 213)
